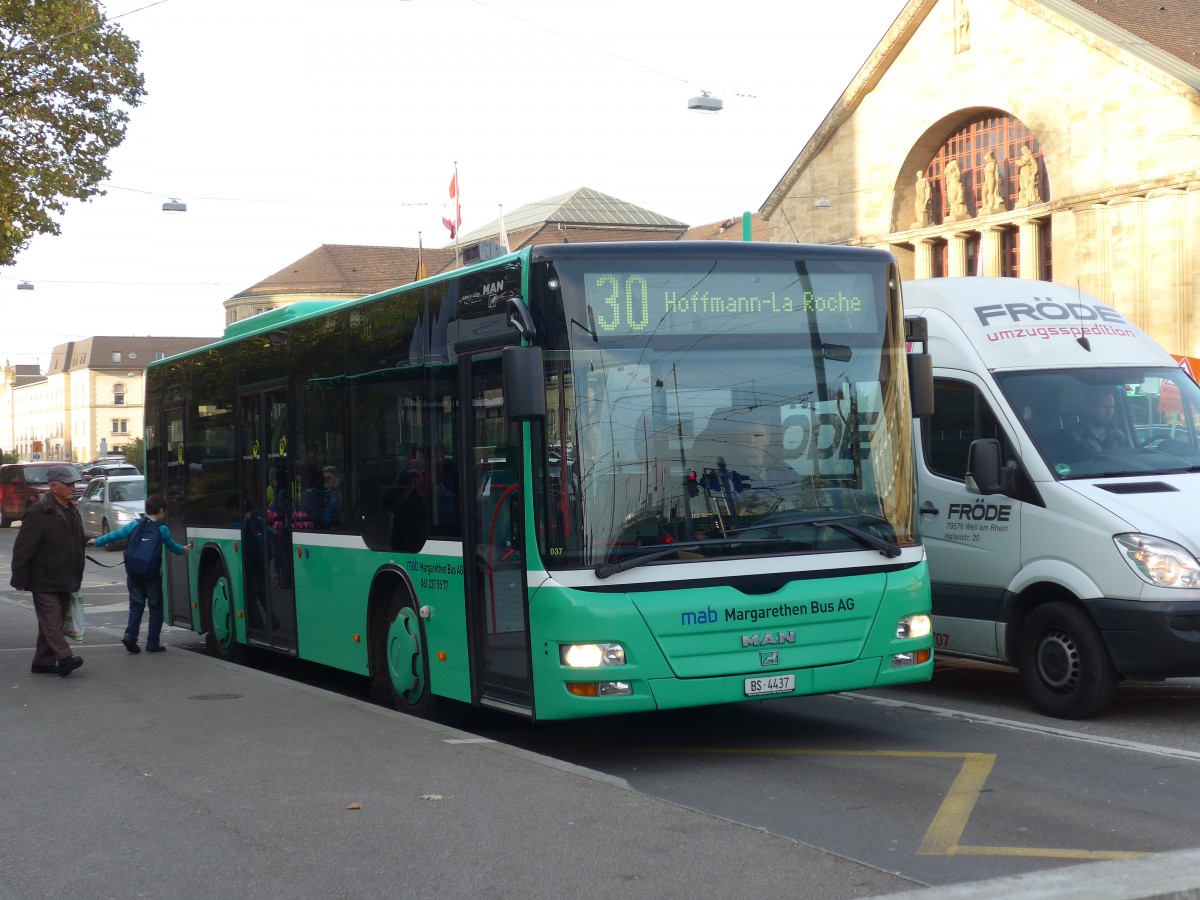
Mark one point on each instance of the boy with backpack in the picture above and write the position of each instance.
(143, 570)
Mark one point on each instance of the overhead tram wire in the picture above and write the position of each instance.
(616, 56)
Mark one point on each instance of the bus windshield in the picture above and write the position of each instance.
(738, 408)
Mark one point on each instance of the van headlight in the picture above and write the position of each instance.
(1158, 561)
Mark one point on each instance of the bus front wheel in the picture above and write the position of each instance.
(1064, 666)
(402, 663)
(221, 638)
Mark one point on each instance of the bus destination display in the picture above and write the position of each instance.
(633, 303)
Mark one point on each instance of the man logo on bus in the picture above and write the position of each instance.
(767, 638)
(768, 657)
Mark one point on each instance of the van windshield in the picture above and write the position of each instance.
(1089, 423)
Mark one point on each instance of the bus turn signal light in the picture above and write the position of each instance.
(599, 688)
(915, 658)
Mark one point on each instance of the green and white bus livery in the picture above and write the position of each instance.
(576, 480)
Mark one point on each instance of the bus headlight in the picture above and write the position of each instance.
(913, 626)
(588, 656)
(1158, 561)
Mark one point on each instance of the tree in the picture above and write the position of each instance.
(135, 452)
(68, 79)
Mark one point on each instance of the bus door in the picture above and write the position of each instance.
(267, 502)
(173, 465)
(495, 579)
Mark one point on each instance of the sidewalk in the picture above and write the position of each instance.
(176, 774)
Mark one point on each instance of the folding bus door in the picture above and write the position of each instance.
(496, 580)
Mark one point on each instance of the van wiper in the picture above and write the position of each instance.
(839, 524)
(662, 551)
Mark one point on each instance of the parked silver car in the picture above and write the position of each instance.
(111, 502)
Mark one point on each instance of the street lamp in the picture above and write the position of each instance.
(706, 102)
(174, 205)
(25, 286)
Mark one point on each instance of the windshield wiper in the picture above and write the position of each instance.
(838, 523)
(661, 551)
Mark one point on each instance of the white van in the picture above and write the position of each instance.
(1059, 482)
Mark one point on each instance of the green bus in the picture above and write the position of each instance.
(575, 480)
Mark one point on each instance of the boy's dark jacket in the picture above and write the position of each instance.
(48, 553)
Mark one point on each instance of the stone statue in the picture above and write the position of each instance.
(962, 26)
(1030, 190)
(923, 201)
(992, 200)
(954, 192)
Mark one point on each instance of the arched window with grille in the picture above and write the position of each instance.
(989, 150)
(118, 394)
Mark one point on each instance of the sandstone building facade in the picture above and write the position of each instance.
(1029, 138)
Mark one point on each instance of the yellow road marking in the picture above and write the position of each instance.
(950, 821)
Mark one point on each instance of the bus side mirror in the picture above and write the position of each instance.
(524, 383)
(920, 366)
(920, 384)
(985, 474)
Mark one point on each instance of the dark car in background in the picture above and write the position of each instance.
(109, 470)
(23, 484)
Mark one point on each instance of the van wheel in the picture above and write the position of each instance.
(217, 596)
(1065, 667)
(401, 662)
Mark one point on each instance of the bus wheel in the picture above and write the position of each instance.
(406, 666)
(221, 639)
(1064, 665)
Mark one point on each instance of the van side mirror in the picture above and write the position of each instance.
(524, 383)
(985, 473)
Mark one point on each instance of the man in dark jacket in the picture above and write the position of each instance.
(48, 560)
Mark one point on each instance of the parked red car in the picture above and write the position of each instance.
(23, 484)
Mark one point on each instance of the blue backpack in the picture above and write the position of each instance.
(143, 553)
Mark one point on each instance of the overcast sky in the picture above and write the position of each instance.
(287, 124)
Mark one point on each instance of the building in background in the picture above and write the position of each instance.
(88, 403)
(1028, 138)
(334, 272)
(349, 271)
(12, 377)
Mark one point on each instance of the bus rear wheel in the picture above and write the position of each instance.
(1064, 666)
(217, 595)
(402, 663)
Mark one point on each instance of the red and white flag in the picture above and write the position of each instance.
(452, 214)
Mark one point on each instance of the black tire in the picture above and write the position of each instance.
(5, 521)
(1064, 666)
(104, 529)
(216, 593)
(400, 663)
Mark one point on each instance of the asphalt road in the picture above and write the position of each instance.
(942, 784)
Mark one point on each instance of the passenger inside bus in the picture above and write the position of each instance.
(407, 500)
